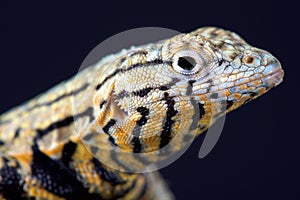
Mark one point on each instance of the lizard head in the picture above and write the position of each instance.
(173, 90)
(220, 70)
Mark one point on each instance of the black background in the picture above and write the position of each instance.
(258, 154)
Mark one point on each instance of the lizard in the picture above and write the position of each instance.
(139, 100)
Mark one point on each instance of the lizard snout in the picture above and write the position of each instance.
(273, 72)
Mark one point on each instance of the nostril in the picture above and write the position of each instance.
(274, 61)
(249, 60)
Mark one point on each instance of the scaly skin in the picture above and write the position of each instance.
(139, 102)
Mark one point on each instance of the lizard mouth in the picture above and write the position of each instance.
(274, 78)
(270, 80)
(273, 74)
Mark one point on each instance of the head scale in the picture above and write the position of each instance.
(179, 86)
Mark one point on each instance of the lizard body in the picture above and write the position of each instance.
(140, 101)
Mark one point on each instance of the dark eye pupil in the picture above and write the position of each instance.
(186, 62)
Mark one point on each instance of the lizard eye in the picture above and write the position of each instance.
(186, 62)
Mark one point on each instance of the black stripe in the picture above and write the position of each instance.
(229, 104)
(142, 159)
(56, 178)
(164, 88)
(122, 94)
(112, 140)
(109, 124)
(144, 112)
(11, 184)
(196, 116)
(145, 91)
(136, 143)
(221, 62)
(104, 174)
(114, 156)
(168, 122)
(252, 94)
(17, 133)
(189, 89)
(108, 77)
(123, 193)
(75, 92)
(201, 110)
(67, 152)
(143, 190)
(94, 149)
(103, 103)
(89, 136)
(140, 93)
(149, 63)
(64, 122)
(56, 125)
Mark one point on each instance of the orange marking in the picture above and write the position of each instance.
(57, 150)
(24, 160)
(237, 95)
(243, 87)
(226, 93)
(257, 82)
